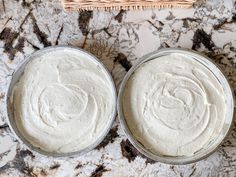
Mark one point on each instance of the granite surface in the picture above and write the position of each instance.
(118, 38)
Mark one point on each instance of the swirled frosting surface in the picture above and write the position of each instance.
(174, 105)
(63, 101)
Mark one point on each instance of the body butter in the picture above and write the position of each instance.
(174, 105)
(64, 101)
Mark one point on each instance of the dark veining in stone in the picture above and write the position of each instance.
(156, 27)
(19, 163)
(4, 126)
(193, 171)
(187, 20)
(109, 138)
(55, 166)
(9, 36)
(99, 171)
(224, 21)
(20, 45)
(234, 16)
(4, 154)
(217, 57)
(122, 59)
(170, 16)
(10, 18)
(130, 152)
(24, 20)
(227, 143)
(59, 34)
(84, 18)
(34, 46)
(25, 153)
(78, 166)
(148, 160)
(26, 4)
(120, 15)
(172, 167)
(4, 168)
(107, 32)
(3, 6)
(233, 132)
(164, 45)
(94, 32)
(233, 49)
(2, 95)
(42, 37)
(220, 24)
(43, 173)
(201, 37)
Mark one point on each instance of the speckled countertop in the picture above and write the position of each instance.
(118, 38)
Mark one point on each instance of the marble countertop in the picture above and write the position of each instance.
(118, 38)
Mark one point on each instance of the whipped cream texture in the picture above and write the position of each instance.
(174, 105)
(63, 101)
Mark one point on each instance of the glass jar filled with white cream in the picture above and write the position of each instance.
(175, 106)
(61, 101)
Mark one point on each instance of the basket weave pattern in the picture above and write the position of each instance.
(78, 5)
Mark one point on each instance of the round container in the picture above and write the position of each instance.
(208, 63)
(17, 75)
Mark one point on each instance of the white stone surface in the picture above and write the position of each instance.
(118, 39)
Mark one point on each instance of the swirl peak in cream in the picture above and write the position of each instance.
(174, 105)
(64, 101)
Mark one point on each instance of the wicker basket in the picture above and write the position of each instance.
(78, 5)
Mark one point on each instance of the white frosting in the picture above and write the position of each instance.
(63, 101)
(174, 105)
